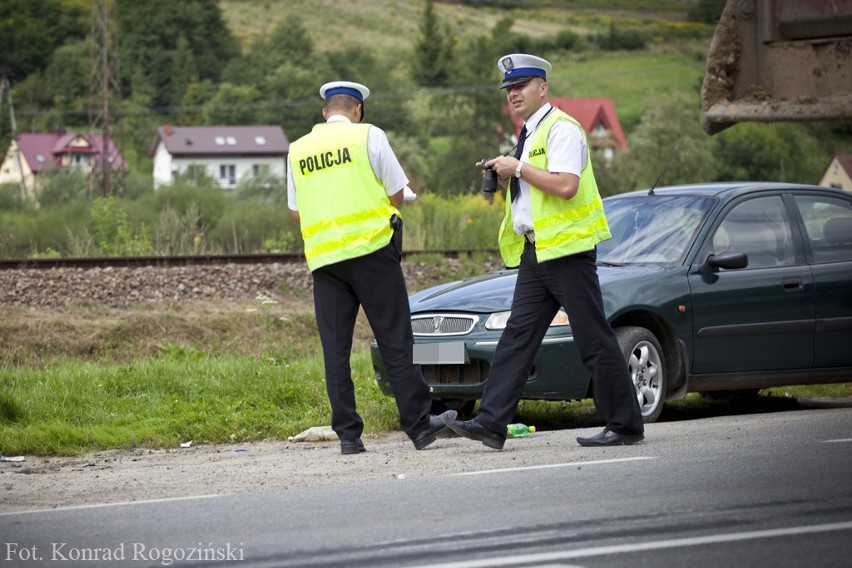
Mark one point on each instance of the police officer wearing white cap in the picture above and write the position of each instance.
(554, 218)
(344, 186)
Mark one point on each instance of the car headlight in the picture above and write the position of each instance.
(497, 321)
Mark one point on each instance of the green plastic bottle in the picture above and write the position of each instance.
(519, 430)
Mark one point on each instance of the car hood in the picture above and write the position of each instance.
(492, 292)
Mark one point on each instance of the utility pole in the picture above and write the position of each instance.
(6, 89)
(104, 83)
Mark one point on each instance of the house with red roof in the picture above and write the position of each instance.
(597, 117)
(33, 154)
(838, 173)
(227, 154)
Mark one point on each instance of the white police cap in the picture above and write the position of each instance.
(356, 90)
(519, 68)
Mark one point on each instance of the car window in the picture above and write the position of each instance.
(759, 228)
(828, 224)
(653, 229)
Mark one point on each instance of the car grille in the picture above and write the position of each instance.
(473, 373)
(435, 325)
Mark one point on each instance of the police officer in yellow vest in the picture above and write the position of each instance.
(554, 219)
(344, 184)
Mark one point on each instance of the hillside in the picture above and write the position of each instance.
(390, 27)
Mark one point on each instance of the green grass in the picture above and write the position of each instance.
(632, 80)
(72, 407)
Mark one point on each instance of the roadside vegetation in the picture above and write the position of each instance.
(85, 378)
(431, 67)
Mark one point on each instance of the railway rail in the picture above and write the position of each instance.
(192, 260)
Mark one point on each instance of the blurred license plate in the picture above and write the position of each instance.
(451, 353)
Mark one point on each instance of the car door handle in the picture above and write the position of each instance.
(792, 284)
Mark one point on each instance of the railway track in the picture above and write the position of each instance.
(192, 260)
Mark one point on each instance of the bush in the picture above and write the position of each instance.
(247, 225)
(619, 40)
(460, 222)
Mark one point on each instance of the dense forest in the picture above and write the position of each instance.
(431, 67)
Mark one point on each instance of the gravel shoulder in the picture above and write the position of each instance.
(143, 474)
(117, 476)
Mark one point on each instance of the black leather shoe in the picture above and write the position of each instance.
(437, 429)
(609, 438)
(476, 431)
(352, 446)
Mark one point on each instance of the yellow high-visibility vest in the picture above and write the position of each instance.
(343, 208)
(562, 226)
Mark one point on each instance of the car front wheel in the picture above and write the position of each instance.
(646, 364)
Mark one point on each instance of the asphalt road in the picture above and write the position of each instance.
(751, 489)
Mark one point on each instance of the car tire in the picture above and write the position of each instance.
(463, 407)
(647, 366)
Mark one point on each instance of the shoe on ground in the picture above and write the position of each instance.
(437, 429)
(607, 437)
(352, 446)
(475, 431)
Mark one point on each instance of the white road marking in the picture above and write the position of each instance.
(547, 466)
(522, 559)
(838, 441)
(116, 504)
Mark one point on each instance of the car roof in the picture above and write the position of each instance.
(729, 189)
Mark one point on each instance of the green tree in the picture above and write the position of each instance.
(433, 52)
(288, 44)
(233, 104)
(183, 71)
(150, 34)
(31, 29)
(769, 152)
(296, 107)
(66, 79)
(468, 121)
(287, 75)
(668, 121)
(390, 88)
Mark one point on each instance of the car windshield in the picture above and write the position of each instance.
(651, 229)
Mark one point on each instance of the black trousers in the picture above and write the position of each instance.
(541, 288)
(376, 283)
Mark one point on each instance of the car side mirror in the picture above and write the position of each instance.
(728, 260)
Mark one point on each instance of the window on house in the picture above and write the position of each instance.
(231, 141)
(79, 159)
(599, 131)
(194, 172)
(220, 140)
(260, 170)
(260, 140)
(228, 174)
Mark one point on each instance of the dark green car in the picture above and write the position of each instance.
(709, 287)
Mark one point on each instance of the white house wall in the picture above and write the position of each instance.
(162, 166)
(166, 165)
(11, 172)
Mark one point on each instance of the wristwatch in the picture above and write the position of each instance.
(518, 169)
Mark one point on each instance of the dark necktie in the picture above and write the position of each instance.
(514, 185)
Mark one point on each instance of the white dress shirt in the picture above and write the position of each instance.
(566, 153)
